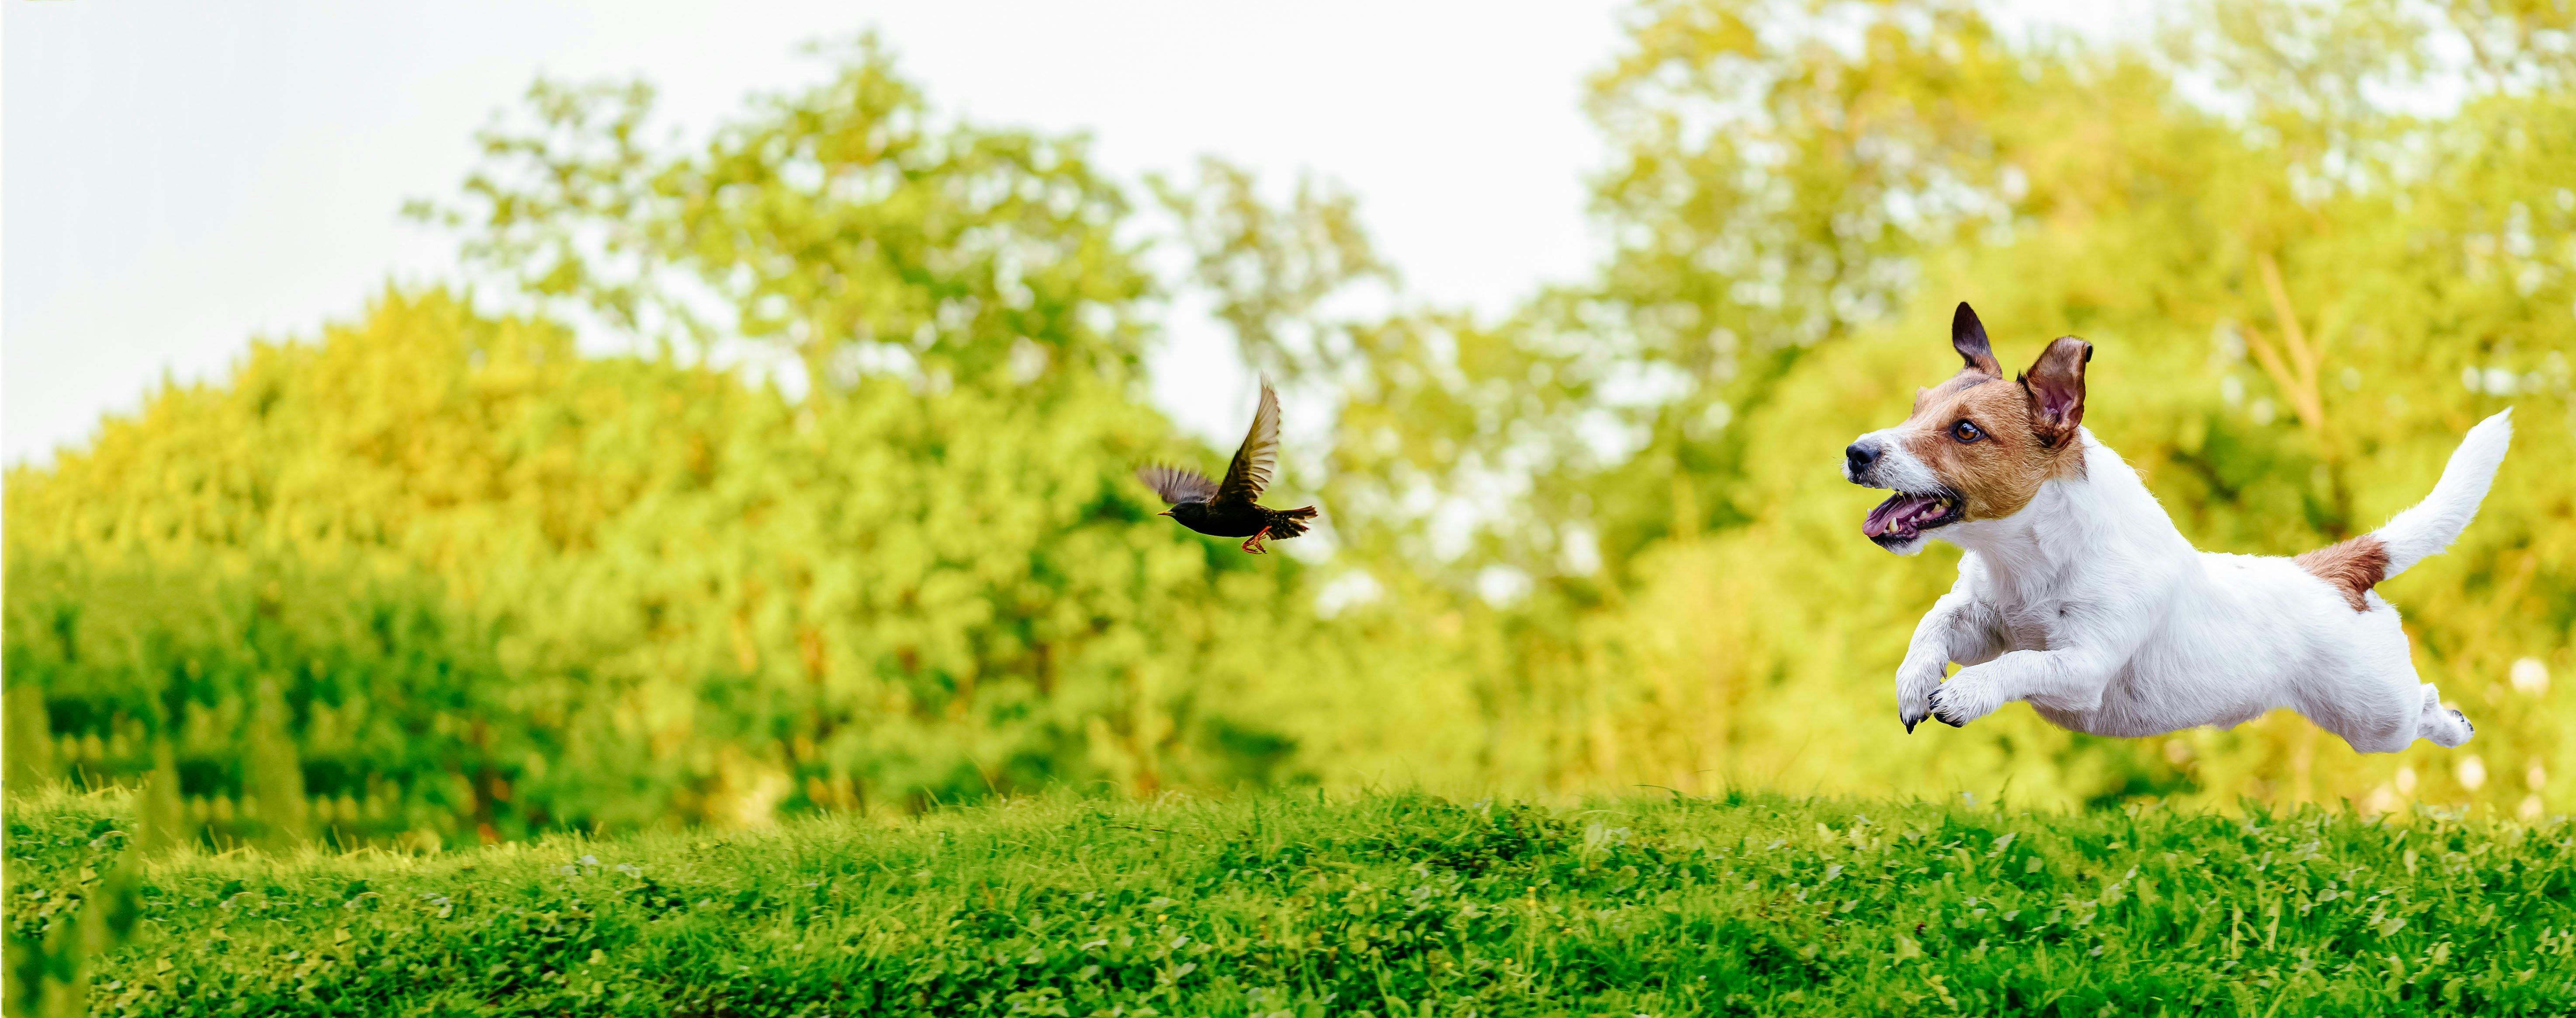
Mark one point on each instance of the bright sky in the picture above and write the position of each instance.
(176, 178)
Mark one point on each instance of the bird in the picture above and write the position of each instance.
(1230, 508)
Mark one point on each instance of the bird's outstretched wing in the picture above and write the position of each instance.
(1177, 485)
(1250, 471)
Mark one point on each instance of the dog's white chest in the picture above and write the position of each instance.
(2030, 626)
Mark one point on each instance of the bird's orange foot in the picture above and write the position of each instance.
(1252, 544)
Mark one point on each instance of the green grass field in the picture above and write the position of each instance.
(1394, 904)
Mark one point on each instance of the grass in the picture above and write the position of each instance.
(1391, 904)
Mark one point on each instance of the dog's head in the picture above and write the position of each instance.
(1978, 446)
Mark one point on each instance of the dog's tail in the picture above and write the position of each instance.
(2422, 532)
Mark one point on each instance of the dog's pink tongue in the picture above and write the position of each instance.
(1889, 513)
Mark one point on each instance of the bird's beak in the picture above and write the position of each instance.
(1165, 512)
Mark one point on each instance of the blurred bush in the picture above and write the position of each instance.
(464, 580)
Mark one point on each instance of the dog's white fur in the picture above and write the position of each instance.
(2090, 605)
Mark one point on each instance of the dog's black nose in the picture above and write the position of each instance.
(1859, 455)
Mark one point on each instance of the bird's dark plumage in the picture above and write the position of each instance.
(1232, 508)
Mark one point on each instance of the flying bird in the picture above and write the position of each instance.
(1230, 509)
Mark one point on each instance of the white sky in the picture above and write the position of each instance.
(176, 178)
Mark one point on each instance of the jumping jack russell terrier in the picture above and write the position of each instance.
(2078, 595)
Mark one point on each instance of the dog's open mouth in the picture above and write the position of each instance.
(1906, 515)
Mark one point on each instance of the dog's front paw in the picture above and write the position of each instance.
(1914, 686)
(1914, 703)
(1960, 701)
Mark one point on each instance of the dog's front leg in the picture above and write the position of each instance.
(1957, 628)
(2071, 679)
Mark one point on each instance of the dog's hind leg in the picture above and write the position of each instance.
(2374, 725)
(2444, 726)
(2374, 702)
(2365, 689)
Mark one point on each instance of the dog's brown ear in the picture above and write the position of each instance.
(1968, 336)
(2055, 383)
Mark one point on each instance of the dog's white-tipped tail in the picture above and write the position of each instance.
(2422, 532)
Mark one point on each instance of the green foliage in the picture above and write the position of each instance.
(1311, 905)
(30, 745)
(850, 525)
(58, 931)
(455, 581)
(845, 223)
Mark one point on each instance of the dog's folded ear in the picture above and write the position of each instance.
(2055, 383)
(1968, 336)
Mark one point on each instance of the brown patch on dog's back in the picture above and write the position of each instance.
(2351, 567)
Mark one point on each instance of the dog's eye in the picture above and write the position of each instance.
(1966, 432)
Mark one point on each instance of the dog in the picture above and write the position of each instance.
(2078, 596)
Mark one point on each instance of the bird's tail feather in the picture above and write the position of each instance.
(1290, 522)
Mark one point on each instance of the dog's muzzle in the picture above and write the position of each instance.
(1920, 501)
